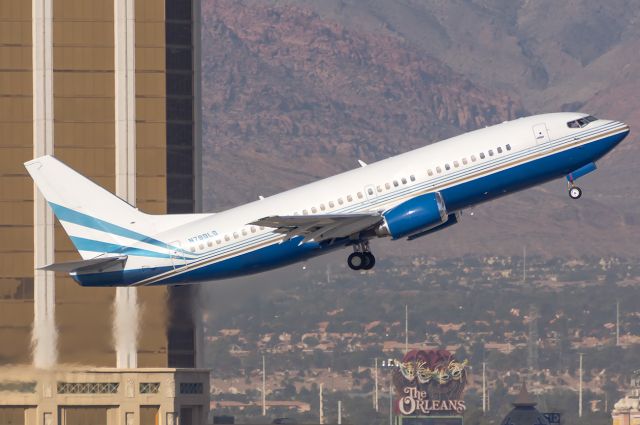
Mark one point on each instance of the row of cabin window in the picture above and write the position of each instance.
(359, 195)
(473, 158)
(227, 238)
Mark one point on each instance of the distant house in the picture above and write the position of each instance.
(299, 406)
(369, 326)
(450, 326)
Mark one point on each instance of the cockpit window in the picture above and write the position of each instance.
(581, 122)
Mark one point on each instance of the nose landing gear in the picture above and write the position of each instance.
(361, 258)
(575, 192)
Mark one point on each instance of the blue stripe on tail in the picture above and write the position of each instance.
(75, 217)
(83, 244)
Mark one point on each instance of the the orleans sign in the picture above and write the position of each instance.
(416, 402)
(429, 382)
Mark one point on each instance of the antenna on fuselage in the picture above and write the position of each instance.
(362, 163)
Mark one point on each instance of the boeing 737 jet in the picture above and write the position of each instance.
(404, 197)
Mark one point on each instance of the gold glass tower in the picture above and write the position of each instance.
(108, 87)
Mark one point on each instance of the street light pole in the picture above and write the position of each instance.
(484, 387)
(580, 389)
(406, 328)
(375, 393)
(264, 388)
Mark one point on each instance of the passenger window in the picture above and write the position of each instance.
(438, 170)
(201, 247)
(456, 164)
(490, 152)
(499, 149)
(387, 186)
(210, 244)
(253, 229)
(481, 155)
(235, 235)
(218, 242)
(350, 198)
(429, 172)
(314, 210)
(464, 161)
(395, 183)
(192, 249)
(412, 178)
(370, 191)
(447, 167)
(473, 158)
(322, 207)
(244, 232)
(305, 212)
(379, 188)
(331, 204)
(340, 201)
(227, 238)
(508, 147)
(360, 195)
(404, 181)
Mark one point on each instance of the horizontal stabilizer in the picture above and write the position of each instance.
(94, 264)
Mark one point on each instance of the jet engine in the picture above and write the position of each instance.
(419, 214)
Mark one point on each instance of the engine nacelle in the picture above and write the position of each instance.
(452, 219)
(415, 215)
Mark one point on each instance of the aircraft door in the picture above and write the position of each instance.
(177, 256)
(540, 133)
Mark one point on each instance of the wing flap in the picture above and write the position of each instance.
(94, 264)
(318, 228)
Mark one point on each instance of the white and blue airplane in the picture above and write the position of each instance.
(406, 196)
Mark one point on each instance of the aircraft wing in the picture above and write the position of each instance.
(322, 227)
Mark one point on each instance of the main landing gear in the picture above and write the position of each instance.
(361, 258)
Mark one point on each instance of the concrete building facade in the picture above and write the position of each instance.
(104, 396)
(110, 88)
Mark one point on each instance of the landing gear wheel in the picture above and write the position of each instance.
(356, 261)
(370, 261)
(575, 192)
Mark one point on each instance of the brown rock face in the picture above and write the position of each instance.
(292, 91)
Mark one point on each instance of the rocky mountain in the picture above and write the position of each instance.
(307, 97)
(297, 90)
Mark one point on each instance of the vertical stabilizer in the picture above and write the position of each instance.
(96, 221)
